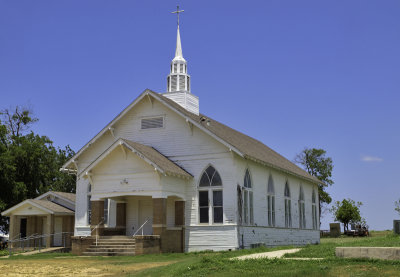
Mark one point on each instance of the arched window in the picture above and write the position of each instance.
(89, 204)
(314, 212)
(210, 192)
(288, 207)
(302, 216)
(271, 201)
(248, 199)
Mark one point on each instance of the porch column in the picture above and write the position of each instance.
(14, 227)
(49, 230)
(159, 215)
(97, 216)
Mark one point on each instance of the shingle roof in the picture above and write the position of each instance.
(250, 147)
(66, 195)
(159, 159)
(52, 206)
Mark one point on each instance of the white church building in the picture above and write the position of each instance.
(164, 171)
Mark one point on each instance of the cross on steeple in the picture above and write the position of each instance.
(177, 13)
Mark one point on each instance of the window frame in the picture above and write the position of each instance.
(248, 199)
(210, 195)
(302, 209)
(288, 206)
(314, 210)
(270, 202)
(89, 205)
(106, 216)
(163, 116)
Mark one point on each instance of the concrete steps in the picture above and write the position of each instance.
(112, 246)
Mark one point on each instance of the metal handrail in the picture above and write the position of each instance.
(19, 236)
(35, 237)
(141, 227)
(96, 228)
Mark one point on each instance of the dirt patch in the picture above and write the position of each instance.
(71, 267)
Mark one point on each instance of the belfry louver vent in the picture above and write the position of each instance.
(182, 82)
(174, 83)
(153, 122)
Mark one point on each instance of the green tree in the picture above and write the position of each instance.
(315, 162)
(397, 206)
(29, 163)
(347, 211)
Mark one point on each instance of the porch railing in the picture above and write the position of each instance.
(141, 227)
(34, 242)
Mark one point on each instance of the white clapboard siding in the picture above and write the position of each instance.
(193, 150)
(217, 238)
(276, 236)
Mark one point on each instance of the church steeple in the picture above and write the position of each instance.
(178, 80)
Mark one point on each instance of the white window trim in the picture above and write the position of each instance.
(248, 210)
(210, 190)
(288, 207)
(314, 211)
(302, 209)
(89, 205)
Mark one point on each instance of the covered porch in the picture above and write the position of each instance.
(134, 190)
(40, 223)
(142, 217)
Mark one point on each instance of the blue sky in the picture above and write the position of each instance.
(292, 74)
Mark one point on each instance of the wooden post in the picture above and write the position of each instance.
(49, 230)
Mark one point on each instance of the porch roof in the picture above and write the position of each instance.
(43, 205)
(147, 153)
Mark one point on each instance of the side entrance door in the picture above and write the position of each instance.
(57, 231)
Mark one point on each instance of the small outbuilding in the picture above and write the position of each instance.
(49, 218)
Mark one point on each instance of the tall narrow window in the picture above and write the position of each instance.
(89, 204)
(314, 212)
(302, 216)
(248, 199)
(271, 202)
(210, 197)
(106, 211)
(288, 207)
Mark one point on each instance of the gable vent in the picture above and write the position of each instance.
(153, 122)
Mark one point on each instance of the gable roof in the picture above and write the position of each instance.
(70, 197)
(249, 147)
(146, 153)
(54, 207)
(243, 145)
(47, 206)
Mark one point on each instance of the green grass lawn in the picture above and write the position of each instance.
(217, 263)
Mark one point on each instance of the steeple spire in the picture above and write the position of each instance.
(178, 80)
(178, 51)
